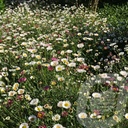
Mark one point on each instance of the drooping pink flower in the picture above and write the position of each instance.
(44, 126)
(9, 103)
(54, 59)
(126, 88)
(64, 113)
(22, 79)
(46, 88)
(115, 88)
(1, 41)
(50, 68)
(22, 72)
(97, 112)
(58, 52)
(20, 97)
(83, 66)
(39, 67)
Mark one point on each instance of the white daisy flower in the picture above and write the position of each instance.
(116, 118)
(38, 108)
(32, 118)
(38, 57)
(65, 61)
(66, 104)
(104, 75)
(80, 59)
(15, 86)
(59, 68)
(126, 115)
(27, 97)
(56, 117)
(59, 104)
(34, 101)
(72, 64)
(12, 93)
(123, 73)
(54, 63)
(81, 70)
(21, 91)
(82, 115)
(61, 79)
(24, 125)
(81, 45)
(93, 115)
(58, 126)
(96, 95)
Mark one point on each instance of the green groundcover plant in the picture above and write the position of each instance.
(47, 55)
(2, 5)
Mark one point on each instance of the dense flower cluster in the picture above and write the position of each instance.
(46, 55)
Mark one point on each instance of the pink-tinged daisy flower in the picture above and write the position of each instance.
(83, 66)
(97, 112)
(115, 88)
(40, 115)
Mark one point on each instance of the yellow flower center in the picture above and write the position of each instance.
(66, 104)
(58, 127)
(59, 68)
(24, 126)
(82, 116)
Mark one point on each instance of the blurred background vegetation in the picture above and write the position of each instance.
(92, 4)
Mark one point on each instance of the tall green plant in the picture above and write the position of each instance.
(2, 5)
